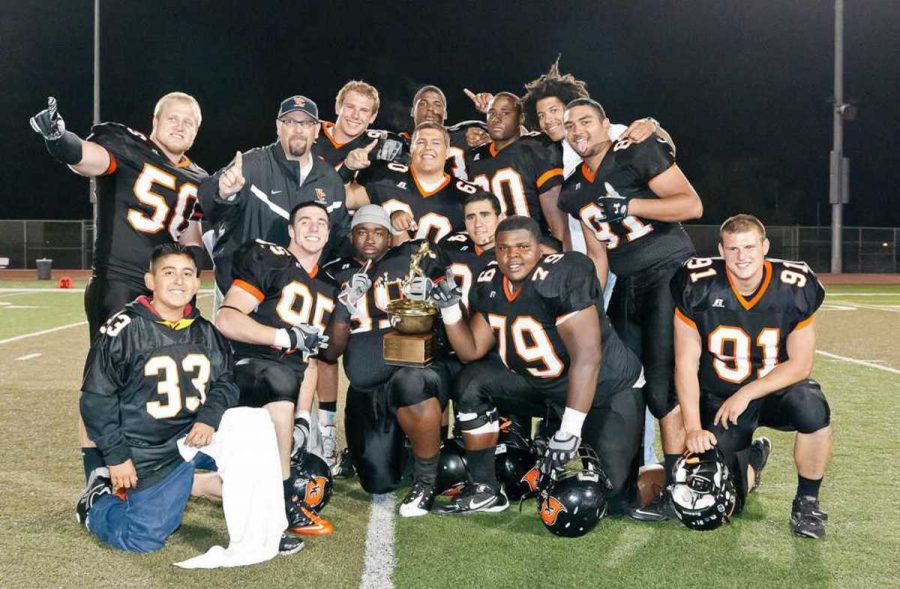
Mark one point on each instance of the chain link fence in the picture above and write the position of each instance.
(865, 249)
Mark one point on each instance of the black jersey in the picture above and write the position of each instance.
(438, 212)
(554, 148)
(743, 338)
(335, 153)
(143, 200)
(465, 261)
(634, 243)
(363, 359)
(287, 294)
(146, 382)
(517, 175)
(525, 321)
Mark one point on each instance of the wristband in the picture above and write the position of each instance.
(346, 174)
(451, 315)
(66, 149)
(572, 421)
(282, 339)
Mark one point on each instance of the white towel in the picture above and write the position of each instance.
(246, 453)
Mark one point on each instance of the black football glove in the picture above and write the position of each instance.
(301, 436)
(48, 123)
(562, 448)
(445, 293)
(613, 205)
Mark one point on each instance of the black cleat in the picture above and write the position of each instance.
(289, 545)
(418, 501)
(763, 446)
(807, 520)
(343, 468)
(98, 484)
(474, 498)
(658, 510)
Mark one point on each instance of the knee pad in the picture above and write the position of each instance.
(478, 422)
(808, 408)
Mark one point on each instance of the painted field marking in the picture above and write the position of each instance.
(379, 561)
(30, 356)
(61, 327)
(859, 362)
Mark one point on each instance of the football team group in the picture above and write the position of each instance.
(510, 228)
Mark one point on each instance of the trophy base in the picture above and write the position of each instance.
(401, 349)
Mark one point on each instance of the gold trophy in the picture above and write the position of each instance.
(411, 342)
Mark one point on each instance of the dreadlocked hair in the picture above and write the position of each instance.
(552, 84)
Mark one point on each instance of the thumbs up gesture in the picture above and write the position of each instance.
(358, 159)
(232, 179)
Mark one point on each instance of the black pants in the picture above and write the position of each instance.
(264, 381)
(641, 311)
(106, 296)
(801, 407)
(613, 427)
(374, 437)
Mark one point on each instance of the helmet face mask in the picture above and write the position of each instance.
(703, 493)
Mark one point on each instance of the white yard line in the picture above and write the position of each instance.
(30, 356)
(42, 332)
(835, 295)
(859, 362)
(204, 293)
(379, 560)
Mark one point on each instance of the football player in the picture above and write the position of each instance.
(469, 252)
(423, 201)
(156, 372)
(146, 192)
(630, 198)
(429, 105)
(745, 341)
(385, 403)
(274, 314)
(544, 316)
(520, 173)
(356, 107)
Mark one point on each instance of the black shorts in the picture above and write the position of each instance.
(613, 427)
(641, 310)
(105, 296)
(264, 381)
(374, 436)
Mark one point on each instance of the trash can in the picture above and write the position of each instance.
(44, 266)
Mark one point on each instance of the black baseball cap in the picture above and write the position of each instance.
(299, 103)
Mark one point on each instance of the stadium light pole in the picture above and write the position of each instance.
(839, 165)
(96, 118)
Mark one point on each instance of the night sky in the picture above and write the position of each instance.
(743, 87)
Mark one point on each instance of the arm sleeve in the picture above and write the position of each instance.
(216, 209)
(681, 289)
(808, 299)
(547, 173)
(100, 398)
(250, 269)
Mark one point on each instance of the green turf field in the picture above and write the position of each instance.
(40, 477)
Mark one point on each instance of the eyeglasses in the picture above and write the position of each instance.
(295, 123)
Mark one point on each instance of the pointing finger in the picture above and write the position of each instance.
(238, 162)
(469, 93)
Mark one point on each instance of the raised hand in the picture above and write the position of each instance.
(48, 123)
(482, 100)
(358, 159)
(232, 179)
(355, 289)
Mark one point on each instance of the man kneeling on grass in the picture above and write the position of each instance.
(157, 372)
